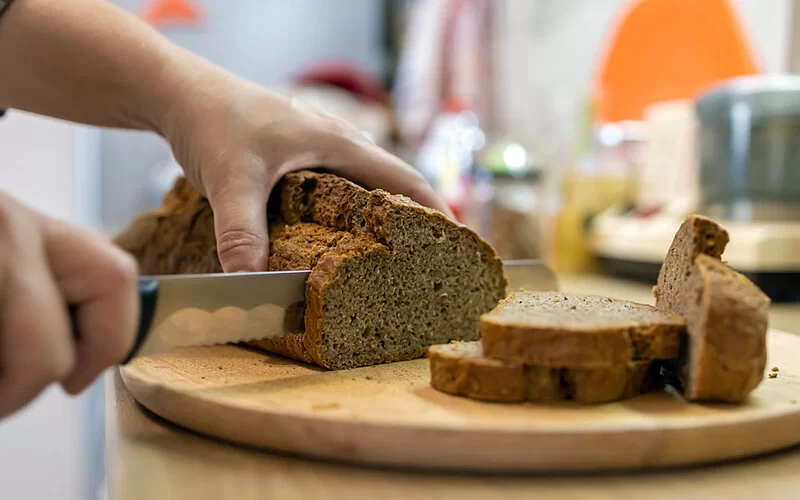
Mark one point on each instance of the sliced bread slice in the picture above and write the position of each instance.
(560, 330)
(727, 315)
(461, 369)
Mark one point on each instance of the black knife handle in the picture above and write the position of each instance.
(148, 298)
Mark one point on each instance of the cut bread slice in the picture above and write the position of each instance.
(727, 315)
(558, 330)
(460, 368)
(388, 277)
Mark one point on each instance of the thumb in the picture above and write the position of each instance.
(240, 224)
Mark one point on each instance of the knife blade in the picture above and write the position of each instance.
(206, 309)
(194, 310)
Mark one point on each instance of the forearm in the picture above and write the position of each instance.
(90, 62)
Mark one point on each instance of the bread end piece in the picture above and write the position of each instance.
(728, 323)
(724, 356)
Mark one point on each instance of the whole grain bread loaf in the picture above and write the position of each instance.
(727, 315)
(460, 368)
(389, 277)
(560, 330)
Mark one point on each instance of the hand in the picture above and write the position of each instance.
(235, 140)
(44, 265)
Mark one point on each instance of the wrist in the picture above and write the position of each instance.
(187, 87)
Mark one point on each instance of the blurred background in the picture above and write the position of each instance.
(579, 132)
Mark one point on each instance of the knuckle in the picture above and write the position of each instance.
(123, 269)
(347, 129)
(56, 359)
(419, 180)
(62, 365)
(236, 240)
(418, 185)
(233, 175)
(340, 128)
(112, 338)
(108, 347)
(55, 368)
(236, 243)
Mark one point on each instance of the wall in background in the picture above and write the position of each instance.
(549, 51)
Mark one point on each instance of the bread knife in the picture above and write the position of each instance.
(205, 309)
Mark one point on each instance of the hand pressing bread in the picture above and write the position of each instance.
(236, 141)
(90, 61)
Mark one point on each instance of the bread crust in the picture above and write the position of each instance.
(725, 355)
(462, 369)
(581, 346)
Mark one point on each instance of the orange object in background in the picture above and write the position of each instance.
(665, 50)
(171, 13)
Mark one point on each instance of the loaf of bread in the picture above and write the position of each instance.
(389, 277)
(559, 330)
(460, 368)
(727, 315)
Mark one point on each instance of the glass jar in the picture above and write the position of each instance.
(505, 205)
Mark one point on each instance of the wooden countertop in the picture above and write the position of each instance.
(148, 458)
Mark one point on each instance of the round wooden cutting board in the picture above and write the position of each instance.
(390, 415)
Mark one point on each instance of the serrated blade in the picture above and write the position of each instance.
(198, 310)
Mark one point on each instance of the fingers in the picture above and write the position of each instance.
(240, 223)
(100, 280)
(373, 167)
(45, 265)
(35, 342)
(396, 176)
